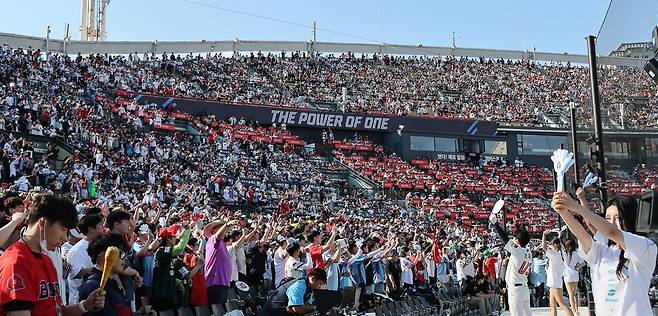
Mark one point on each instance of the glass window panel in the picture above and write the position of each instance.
(422, 143)
(542, 145)
(494, 147)
(445, 144)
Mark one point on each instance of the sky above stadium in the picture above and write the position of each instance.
(554, 26)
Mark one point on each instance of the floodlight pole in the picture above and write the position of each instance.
(598, 140)
(598, 129)
(47, 42)
(574, 145)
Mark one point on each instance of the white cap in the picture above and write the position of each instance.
(76, 233)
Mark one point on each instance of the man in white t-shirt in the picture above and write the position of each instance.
(465, 267)
(74, 237)
(518, 268)
(294, 266)
(469, 268)
(234, 246)
(406, 265)
(460, 263)
(431, 268)
(81, 265)
(280, 256)
(331, 258)
(99, 157)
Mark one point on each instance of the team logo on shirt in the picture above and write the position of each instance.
(524, 269)
(15, 283)
(48, 289)
(183, 271)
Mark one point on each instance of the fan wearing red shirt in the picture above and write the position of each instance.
(284, 207)
(436, 251)
(28, 279)
(489, 266)
(316, 249)
(199, 291)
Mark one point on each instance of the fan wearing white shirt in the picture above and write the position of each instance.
(81, 265)
(269, 261)
(407, 276)
(407, 267)
(331, 258)
(554, 273)
(622, 269)
(572, 262)
(74, 236)
(99, 157)
(294, 267)
(234, 246)
(465, 267)
(280, 256)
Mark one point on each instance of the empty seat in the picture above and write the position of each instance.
(231, 294)
(232, 305)
(202, 311)
(185, 311)
(218, 309)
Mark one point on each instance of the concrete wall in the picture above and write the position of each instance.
(159, 47)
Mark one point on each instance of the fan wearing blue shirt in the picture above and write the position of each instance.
(295, 296)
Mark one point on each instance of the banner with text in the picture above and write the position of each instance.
(294, 117)
(329, 120)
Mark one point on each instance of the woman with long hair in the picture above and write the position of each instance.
(572, 261)
(622, 268)
(554, 274)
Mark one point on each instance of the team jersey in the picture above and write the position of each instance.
(198, 291)
(29, 277)
(167, 270)
(346, 279)
(358, 270)
(519, 264)
(377, 267)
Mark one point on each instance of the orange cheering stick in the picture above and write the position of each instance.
(111, 257)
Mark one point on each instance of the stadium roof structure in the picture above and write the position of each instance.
(644, 50)
(237, 45)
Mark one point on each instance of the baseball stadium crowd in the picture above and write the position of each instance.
(505, 91)
(245, 218)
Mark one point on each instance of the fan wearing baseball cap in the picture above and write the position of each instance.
(144, 249)
(166, 269)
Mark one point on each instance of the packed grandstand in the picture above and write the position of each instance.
(117, 158)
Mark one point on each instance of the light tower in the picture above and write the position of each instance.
(92, 20)
(101, 33)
